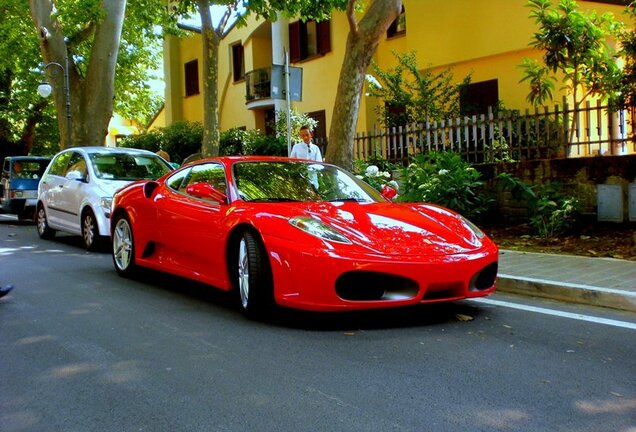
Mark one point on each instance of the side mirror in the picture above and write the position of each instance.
(388, 192)
(204, 190)
(75, 175)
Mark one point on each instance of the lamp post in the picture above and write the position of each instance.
(45, 89)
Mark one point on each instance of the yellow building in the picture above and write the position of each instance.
(485, 38)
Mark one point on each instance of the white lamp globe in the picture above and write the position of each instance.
(45, 89)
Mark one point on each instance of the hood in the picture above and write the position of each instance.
(109, 187)
(395, 229)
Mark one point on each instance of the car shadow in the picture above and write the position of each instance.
(402, 317)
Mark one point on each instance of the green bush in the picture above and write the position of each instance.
(180, 140)
(251, 142)
(444, 178)
(550, 211)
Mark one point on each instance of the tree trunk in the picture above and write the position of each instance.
(90, 97)
(362, 42)
(210, 41)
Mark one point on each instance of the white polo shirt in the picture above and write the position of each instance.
(304, 151)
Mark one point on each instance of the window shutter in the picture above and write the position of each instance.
(324, 37)
(294, 42)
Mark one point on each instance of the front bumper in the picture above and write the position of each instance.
(322, 280)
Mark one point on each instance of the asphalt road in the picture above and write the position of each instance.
(82, 349)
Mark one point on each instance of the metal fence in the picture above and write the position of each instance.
(548, 133)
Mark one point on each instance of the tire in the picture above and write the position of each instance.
(90, 232)
(253, 277)
(42, 224)
(123, 247)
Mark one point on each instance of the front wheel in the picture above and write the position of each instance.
(90, 231)
(123, 247)
(253, 276)
(42, 224)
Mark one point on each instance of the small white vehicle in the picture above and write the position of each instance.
(77, 188)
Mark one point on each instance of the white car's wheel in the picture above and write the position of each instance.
(90, 232)
(253, 276)
(42, 224)
(123, 247)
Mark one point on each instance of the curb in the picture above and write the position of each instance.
(563, 291)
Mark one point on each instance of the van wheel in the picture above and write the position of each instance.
(42, 224)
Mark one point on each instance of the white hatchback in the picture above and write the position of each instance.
(77, 188)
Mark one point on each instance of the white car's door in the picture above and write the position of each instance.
(71, 193)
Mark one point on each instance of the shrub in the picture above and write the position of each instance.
(444, 178)
(550, 211)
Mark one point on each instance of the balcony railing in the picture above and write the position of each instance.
(258, 84)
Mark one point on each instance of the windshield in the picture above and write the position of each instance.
(300, 181)
(28, 169)
(124, 166)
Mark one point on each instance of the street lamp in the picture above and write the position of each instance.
(45, 89)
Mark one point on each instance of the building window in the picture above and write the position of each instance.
(477, 97)
(308, 39)
(238, 62)
(192, 78)
(397, 27)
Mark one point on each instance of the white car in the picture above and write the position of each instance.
(77, 188)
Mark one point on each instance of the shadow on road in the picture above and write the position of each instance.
(411, 316)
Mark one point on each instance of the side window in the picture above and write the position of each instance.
(210, 173)
(76, 163)
(175, 182)
(59, 164)
(238, 62)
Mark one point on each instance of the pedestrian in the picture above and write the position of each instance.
(306, 149)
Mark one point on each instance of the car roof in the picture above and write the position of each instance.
(113, 150)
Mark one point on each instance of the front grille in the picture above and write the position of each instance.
(485, 278)
(370, 286)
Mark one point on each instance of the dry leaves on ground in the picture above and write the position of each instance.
(597, 240)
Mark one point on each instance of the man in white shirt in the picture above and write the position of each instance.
(306, 149)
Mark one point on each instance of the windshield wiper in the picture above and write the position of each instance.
(346, 200)
(276, 199)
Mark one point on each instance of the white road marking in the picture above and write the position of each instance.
(588, 318)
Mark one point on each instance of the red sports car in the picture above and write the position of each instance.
(298, 234)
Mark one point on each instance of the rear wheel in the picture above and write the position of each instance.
(90, 232)
(123, 247)
(253, 276)
(42, 224)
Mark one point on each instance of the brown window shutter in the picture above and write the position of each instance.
(294, 41)
(324, 37)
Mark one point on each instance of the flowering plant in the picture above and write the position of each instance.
(379, 180)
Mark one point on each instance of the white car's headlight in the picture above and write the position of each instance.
(105, 203)
(319, 229)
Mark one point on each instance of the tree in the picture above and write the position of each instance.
(575, 44)
(98, 37)
(362, 42)
(211, 38)
(23, 114)
(411, 95)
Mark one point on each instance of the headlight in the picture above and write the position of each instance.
(318, 229)
(105, 203)
(474, 228)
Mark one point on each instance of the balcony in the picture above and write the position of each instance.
(258, 88)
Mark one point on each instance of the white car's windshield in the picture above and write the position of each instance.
(300, 181)
(126, 166)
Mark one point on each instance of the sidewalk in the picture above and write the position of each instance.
(605, 282)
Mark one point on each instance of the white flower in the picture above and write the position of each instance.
(394, 185)
(443, 171)
(372, 171)
(385, 174)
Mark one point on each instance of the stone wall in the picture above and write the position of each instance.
(579, 177)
